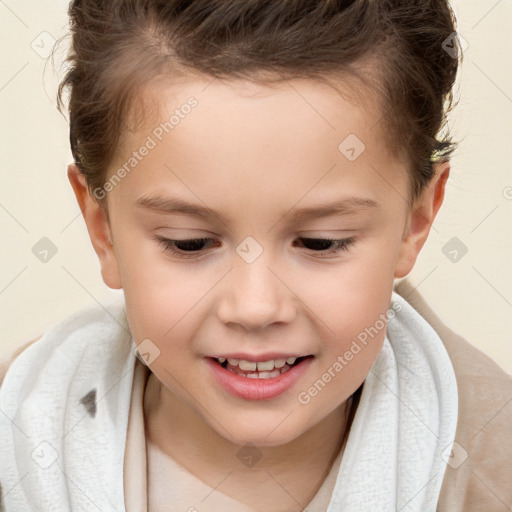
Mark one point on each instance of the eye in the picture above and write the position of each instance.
(182, 247)
(193, 247)
(327, 246)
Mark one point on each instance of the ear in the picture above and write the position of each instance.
(422, 216)
(98, 227)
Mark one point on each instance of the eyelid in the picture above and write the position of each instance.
(340, 245)
(169, 245)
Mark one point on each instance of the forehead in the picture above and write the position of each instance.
(241, 135)
(336, 105)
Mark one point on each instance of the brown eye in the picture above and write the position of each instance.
(192, 244)
(327, 245)
(186, 248)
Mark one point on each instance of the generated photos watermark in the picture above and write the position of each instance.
(150, 143)
(358, 344)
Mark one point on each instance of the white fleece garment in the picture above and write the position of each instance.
(64, 407)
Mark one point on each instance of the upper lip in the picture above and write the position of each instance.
(266, 356)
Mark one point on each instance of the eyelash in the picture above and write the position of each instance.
(170, 245)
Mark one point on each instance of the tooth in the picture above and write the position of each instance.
(232, 361)
(221, 359)
(247, 365)
(252, 376)
(265, 365)
(279, 363)
(291, 360)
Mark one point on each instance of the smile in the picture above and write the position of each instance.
(261, 369)
(258, 380)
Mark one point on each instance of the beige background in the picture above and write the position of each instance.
(473, 295)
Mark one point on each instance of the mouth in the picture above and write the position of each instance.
(268, 369)
(267, 378)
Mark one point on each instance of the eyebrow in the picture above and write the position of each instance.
(175, 205)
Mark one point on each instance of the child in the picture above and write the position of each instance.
(258, 178)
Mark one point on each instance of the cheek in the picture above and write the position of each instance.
(351, 294)
(157, 293)
(349, 354)
(357, 325)
(159, 309)
(351, 303)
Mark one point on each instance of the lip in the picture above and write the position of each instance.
(257, 389)
(257, 358)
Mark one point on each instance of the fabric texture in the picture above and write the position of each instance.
(478, 476)
(110, 391)
(63, 416)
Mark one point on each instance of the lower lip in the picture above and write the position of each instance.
(257, 389)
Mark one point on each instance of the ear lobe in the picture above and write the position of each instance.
(98, 227)
(422, 216)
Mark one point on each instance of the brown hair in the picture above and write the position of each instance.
(119, 45)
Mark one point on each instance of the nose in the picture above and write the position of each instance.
(255, 296)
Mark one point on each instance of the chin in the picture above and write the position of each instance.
(263, 434)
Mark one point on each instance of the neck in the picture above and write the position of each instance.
(299, 466)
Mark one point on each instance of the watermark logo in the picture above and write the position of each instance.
(43, 44)
(44, 455)
(352, 147)
(147, 352)
(454, 249)
(454, 455)
(249, 250)
(44, 250)
(249, 455)
(454, 44)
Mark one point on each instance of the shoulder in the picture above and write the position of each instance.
(479, 473)
(7, 360)
(92, 323)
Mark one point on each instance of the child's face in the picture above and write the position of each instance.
(258, 156)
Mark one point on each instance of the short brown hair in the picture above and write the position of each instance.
(119, 45)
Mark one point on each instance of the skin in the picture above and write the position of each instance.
(256, 154)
